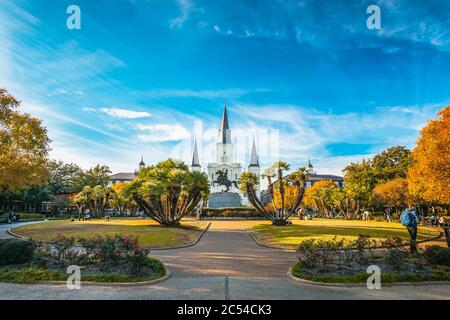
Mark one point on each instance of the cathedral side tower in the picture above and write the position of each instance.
(195, 165)
(254, 167)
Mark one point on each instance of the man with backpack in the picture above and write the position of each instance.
(410, 220)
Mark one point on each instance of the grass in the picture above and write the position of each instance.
(291, 235)
(151, 234)
(33, 275)
(438, 274)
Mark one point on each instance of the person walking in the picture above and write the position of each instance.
(444, 225)
(388, 214)
(300, 213)
(410, 220)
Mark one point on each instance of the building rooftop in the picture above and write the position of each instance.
(315, 176)
(123, 176)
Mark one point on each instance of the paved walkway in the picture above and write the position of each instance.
(5, 227)
(225, 264)
(227, 250)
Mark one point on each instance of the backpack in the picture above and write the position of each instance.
(407, 219)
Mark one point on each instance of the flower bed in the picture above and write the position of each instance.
(107, 259)
(331, 261)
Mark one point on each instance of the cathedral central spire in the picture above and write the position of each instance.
(225, 125)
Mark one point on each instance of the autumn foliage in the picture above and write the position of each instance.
(24, 147)
(291, 195)
(429, 176)
(394, 193)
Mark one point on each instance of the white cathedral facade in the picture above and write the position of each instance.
(223, 174)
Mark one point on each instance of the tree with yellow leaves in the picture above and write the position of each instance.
(319, 197)
(24, 147)
(290, 196)
(394, 193)
(429, 175)
(119, 200)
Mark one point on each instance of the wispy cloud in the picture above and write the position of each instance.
(163, 132)
(339, 24)
(120, 113)
(186, 7)
(127, 114)
(231, 93)
(306, 132)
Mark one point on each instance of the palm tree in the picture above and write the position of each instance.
(268, 174)
(298, 179)
(248, 182)
(280, 167)
(167, 191)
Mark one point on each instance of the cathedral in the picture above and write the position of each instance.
(223, 174)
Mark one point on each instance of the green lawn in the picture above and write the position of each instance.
(291, 235)
(150, 234)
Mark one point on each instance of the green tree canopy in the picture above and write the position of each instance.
(64, 178)
(96, 176)
(168, 191)
(391, 164)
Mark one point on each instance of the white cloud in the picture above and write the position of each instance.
(163, 132)
(249, 34)
(186, 7)
(305, 132)
(217, 28)
(126, 114)
(88, 109)
(231, 93)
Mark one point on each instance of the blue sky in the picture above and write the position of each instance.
(139, 74)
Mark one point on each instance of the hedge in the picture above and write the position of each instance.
(231, 212)
(13, 251)
(25, 216)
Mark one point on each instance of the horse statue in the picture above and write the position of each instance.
(222, 180)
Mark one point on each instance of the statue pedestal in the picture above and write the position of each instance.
(224, 200)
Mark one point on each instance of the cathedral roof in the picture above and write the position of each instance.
(123, 176)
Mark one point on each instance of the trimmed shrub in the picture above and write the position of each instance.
(438, 255)
(108, 251)
(396, 253)
(13, 251)
(320, 253)
(241, 212)
(362, 244)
